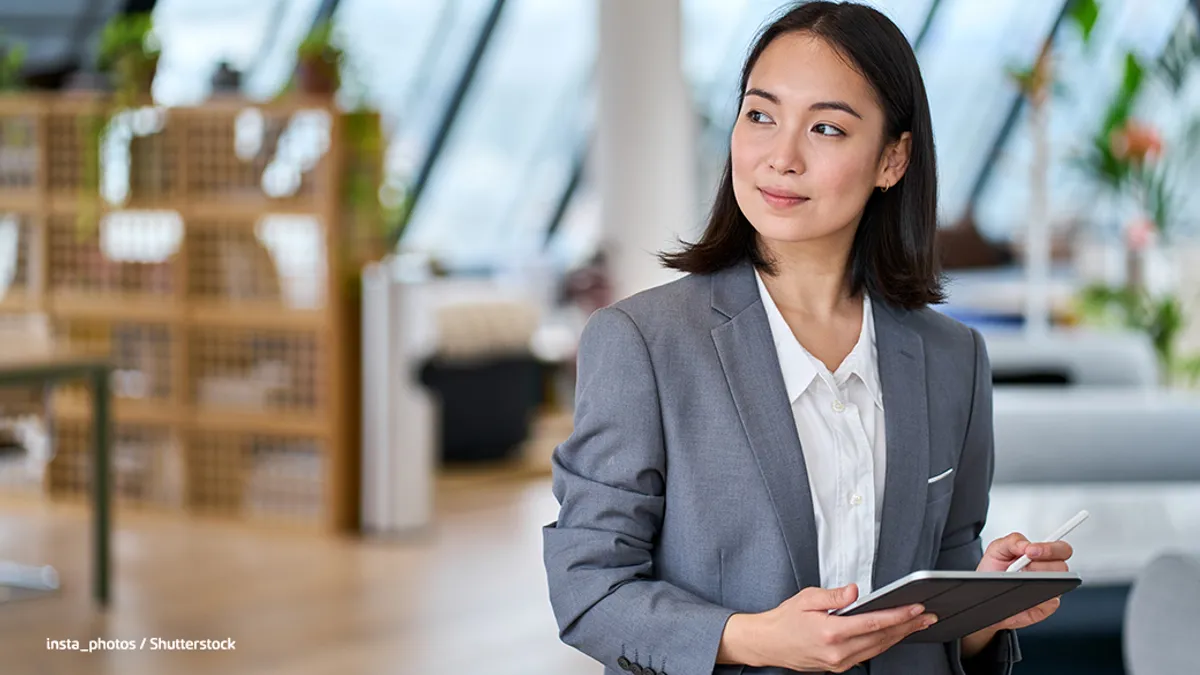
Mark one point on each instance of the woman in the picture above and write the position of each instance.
(789, 425)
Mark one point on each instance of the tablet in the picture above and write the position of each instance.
(965, 602)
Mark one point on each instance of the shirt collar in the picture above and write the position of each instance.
(863, 360)
(798, 366)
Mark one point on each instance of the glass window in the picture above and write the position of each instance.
(408, 56)
(258, 39)
(579, 233)
(491, 194)
(1089, 76)
(964, 59)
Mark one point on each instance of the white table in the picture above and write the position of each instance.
(1129, 523)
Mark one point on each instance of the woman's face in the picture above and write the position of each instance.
(806, 148)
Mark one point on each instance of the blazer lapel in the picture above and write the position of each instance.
(905, 404)
(748, 357)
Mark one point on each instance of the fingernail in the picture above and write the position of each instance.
(1033, 550)
(930, 621)
(917, 610)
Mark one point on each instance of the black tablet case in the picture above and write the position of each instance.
(966, 604)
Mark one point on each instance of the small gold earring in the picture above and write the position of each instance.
(885, 187)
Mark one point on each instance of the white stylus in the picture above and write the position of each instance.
(1061, 532)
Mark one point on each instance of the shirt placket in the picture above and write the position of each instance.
(863, 461)
(845, 483)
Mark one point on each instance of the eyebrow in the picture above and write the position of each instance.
(819, 105)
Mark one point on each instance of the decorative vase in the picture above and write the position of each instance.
(315, 75)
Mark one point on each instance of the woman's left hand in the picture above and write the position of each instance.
(1045, 557)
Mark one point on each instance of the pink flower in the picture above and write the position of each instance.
(1139, 233)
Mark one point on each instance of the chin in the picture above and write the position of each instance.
(788, 231)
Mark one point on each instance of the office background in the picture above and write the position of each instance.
(290, 292)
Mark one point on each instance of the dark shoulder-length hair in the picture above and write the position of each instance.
(893, 255)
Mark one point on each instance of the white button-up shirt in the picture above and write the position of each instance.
(840, 420)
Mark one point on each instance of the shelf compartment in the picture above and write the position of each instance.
(125, 254)
(250, 370)
(147, 464)
(141, 353)
(275, 261)
(262, 477)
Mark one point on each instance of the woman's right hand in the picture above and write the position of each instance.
(800, 634)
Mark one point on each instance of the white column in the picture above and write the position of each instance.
(644, 156)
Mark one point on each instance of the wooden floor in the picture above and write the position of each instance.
(468, 597)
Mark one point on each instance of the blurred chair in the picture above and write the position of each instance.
(25, 423)
(485, 376)
(1075, 358)
(1162, 616)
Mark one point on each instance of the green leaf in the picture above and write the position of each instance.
(1101, 165)
(1122, 104)
(123, 36)
(1133, 75)
(1083, 14)
(1174, 63)
(1190, 368)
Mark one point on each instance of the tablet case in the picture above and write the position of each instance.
(965, 602)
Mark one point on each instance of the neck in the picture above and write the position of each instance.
(811, 278)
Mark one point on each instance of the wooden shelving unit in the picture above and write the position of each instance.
(223, 307)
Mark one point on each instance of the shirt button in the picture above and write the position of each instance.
(838, 406)
(855, 500)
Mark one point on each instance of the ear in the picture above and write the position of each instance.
(894, 161)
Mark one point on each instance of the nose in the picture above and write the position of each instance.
(786, 157)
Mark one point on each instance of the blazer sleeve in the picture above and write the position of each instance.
(609, 478)
(961, 547)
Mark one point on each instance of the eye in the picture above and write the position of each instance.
(758, 117)
(828, 130)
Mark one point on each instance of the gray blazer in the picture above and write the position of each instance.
(683, 492)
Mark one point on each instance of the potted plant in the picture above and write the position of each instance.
(319, 62)
(18, 155)
(1128, 159)
(129, 55)
(12, 57)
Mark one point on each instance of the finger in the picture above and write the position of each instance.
(865, 647)
(1044, 610)
(1009, 547)
(1033, 615)
(828, 598)
(1053, 566)
(1053, 550)
(849, 627)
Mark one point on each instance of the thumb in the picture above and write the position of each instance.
(831, 598)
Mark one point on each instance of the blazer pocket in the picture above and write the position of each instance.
(940, 486)
(941, 476)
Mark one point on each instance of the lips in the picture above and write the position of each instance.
(781, 198)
